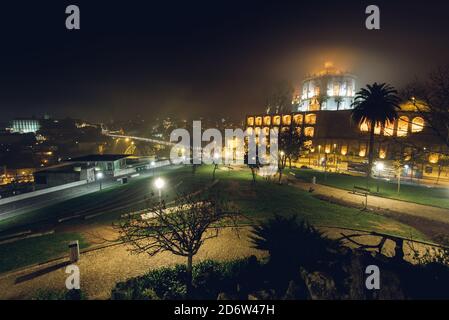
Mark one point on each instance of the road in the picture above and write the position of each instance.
(113, 197)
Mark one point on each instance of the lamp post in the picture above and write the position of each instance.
(379, 167)
(99, 176)
(159, 183)
(153, 164)
(319, 156)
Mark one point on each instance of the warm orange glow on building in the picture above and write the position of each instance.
(402, 126)
(417, 124)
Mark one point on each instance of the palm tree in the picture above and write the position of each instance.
(376, 105)
(338, 100)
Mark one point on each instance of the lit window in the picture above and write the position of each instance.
(277, 120)
(389, 129)
(364, 126)
(309, 131)
(258, 121)
(433, 158)
(417, 124)
(250, 121)
(287, 120)
(311, 118)
(377, 128)
(267, 120)
(362, 151)
(297, 118)
(402, 126)
(344, 150)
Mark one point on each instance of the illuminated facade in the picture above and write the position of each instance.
(334, 137)
(25, 125)
(330, 89)
(322, 113)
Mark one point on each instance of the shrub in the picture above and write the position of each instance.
(209, 278)
(47, 294)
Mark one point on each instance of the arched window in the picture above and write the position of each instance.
(276, 120)
(249, 131)
(417, 124)
(389, 129)
(297, 118)
(257, 130)
(258, 121)
(309, 131)
(287, 119)
(311, 118)
(402, 126)
(267, 120)
(362, 150)
(250, 121)
(377, 128)
(364, 126)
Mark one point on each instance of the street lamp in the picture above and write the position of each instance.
(99, 176)
(379, 167)
(153, 164)
(159, 183)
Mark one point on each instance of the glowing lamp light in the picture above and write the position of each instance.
(100, 175)
(380, 166)
(159, 183)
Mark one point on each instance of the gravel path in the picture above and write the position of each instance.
(101, 269)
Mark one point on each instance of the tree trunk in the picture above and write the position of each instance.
(371, 149)
(439, 174)
(213, 174)
(253, 172)
(189, 285)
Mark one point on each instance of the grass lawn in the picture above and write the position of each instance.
(255, 201)
(418, 194)
(30, 251)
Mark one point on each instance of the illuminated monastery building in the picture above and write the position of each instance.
(322, 112)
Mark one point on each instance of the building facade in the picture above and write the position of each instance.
(335, 141)
(330, 89)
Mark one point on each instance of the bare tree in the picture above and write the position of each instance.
(180, 229)
(280, 98)
(291, 143)
(430, 97)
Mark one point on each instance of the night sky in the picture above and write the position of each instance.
(192, 58)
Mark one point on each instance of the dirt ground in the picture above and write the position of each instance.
(101, 269)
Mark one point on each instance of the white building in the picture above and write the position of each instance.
(330, 89)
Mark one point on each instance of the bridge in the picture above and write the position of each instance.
(121, 136)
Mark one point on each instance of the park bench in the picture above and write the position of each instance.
(364, 192)
(361, 190)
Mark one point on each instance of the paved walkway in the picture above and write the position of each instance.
(102, 269)
(406, 208)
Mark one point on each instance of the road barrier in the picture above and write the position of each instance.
(41, 192)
